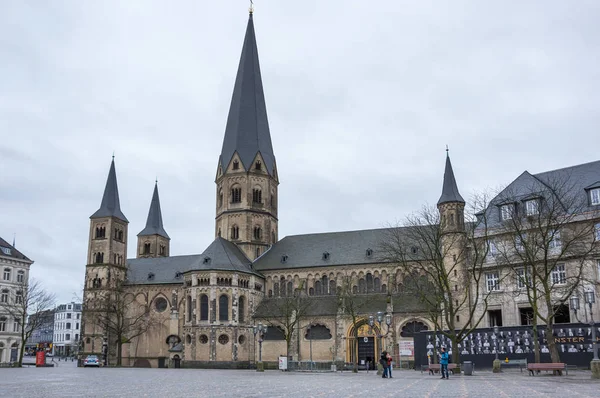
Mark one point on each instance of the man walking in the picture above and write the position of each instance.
(444, 364)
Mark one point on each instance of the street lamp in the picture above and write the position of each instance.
(388, 322)
(260, 330)
(590, 298)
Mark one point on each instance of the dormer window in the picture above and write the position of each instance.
(236, 165)
(326, 256)
(507, 212)
(150, 276)
(369, 252)
(532, 207)
(206, 260)
(284, 258)
(178, 275)
(595, 196)
(414, 250)
(258, 165)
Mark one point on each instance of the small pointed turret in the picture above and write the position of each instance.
(110, 206)
(449, 189)
(154, 223)
(247, 131)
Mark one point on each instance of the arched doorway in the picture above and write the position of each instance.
(365, 348)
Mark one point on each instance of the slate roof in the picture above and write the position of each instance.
(220, 255)
(328, 305)
(343, 248)
(8, 250)
(449, 188)
(247, 130)
(576, 179)
(110, 206)
(154, 223)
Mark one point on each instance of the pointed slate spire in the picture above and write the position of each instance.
(247, 130)
(154, 223)
(110, 206)
(450, 189)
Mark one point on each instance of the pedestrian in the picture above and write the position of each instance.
(383, 361)
(444, 364)
(389, 365)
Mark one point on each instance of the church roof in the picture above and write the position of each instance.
(326, 249)
(450, 189)
(8, 250)
(220, 255)
(154, 223)
(247, 130)
(110, 206)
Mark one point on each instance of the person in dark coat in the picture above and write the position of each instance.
(384, 362)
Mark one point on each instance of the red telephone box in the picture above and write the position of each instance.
(40, 358)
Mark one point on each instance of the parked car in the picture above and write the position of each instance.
(91, 360)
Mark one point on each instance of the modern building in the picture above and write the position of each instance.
(206, 305)
(67, 326)
(41, 337)
(14, 266)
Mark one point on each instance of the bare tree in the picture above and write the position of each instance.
(442, 263)
(123, 318)
(354, 305)
(544, 238)
(286, 312)
(29, 306)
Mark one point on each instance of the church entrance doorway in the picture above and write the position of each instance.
(362, 349)
(366, 352)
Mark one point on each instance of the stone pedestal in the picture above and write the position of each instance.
(496, 366)
(260, 367)
(595, 368)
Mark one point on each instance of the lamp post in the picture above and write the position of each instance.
(590, 298)
(388, 322)
(496, 364)
(260, 330)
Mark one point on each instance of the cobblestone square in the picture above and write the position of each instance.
(68, 381)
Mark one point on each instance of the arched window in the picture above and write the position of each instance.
(235, 232)
(412, 328)
(362, 285)
(236, 194)
(223, 308)
(7, 272)
(377, 285)
(189, 308)
(318, 289)
(3, 324)
(384, 288)
(99, 258)
(220, 197)
(325, 284)
(276, 289)
(272, 236)
(257, 233)
(290, 289)
(147, 248)
(256, 195)
(258, 165)
(242, 308)
(311, 291)
(204, 307)
(354, 289)
(369, 283)
(317, 332)
(257, 252)
(332, 287)
(4, 296)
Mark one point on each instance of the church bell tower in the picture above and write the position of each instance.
(247, 181)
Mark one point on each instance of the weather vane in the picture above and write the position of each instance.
(251, 9)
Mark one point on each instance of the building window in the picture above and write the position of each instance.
(220, 197)
(100, 232)
(555, 243)
(16, 326)
(492, 248)
(160, 305)
(6, 274)
(236, 165)
(4, 296)
(523, 280)
(235, 232)
(257, 252)
(223, 308)
(203, 339)
(223, 339)
(67, 337)
(21, 276)
(204, 307)
(597, 232)
(495, 317)
(242, 308)
(258, 165)
(257, 233)
(532, 207)
(19, 297)
(526, 315)
(492, 281)
(162, 250)
(559, 275)
(595, 196)
(236, 195)
(3, 324)
(68, 315)
(99, 258)
(256, 195)
(146, 248)
(507, 212)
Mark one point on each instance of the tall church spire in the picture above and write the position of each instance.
(154, 223)
(247, 130)
(110, 206)
(449, 189)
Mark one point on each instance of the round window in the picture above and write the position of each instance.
(242, 339)
(223, 339)
(203, 339)
(160, 304)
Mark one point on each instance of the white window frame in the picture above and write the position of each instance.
(492, 281)
(521, 275)
(559, 274)
(3, 321)
(507, 212)
(4, 296)
(20, 276)
(555, 243)
(597, 232)
(595, 196)
(6, 274)
(532, 207)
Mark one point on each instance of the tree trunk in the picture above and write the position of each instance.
(455, 350)
(536, 342)
(554, 354)
(119, 348)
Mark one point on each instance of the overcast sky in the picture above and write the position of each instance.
(362, 98)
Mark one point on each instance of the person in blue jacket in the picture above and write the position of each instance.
(444, 363)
